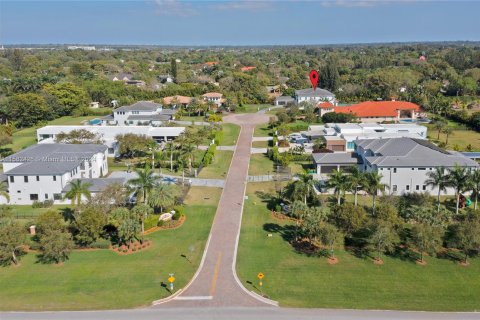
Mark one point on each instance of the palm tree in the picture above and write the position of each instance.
(338, 182)
(77, 190)
(439, 126)
(438, 179)
(4, 190)
(163, 195)
(144, 182)
(458, 179)
(447, 131)
(305, 185)
(356, 181)
(374, 183)
(170, 146)
(474, 182)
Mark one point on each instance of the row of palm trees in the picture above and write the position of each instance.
(354, 181)
(462, 179)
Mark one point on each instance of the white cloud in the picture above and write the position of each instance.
(175, 8)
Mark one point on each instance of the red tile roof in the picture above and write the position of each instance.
(211, 63)
(325, 105)
(212, 95)
(378, 108)
(247, 68)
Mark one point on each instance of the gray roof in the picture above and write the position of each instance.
(120, 76)
(410, 152)
(97, 184)
(140, 106)
(284, 98)
(54, 158)
(314, 93)
(335, 158)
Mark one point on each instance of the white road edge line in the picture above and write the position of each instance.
(194, 298)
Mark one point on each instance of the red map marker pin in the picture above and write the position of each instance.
(314, 78)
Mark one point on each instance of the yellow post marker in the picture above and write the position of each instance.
(171, 279)
(260, 277)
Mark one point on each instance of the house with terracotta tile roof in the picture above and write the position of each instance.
(379, 111)
(214, 97)
(325, 107)
(247, 68)
(176, 100)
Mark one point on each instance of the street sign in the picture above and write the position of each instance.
(171, 279)
(260, 275)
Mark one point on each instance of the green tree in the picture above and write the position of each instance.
(12, 238)
(81, 136)
(338, 182)
(26, 109)
(329, 76)
(163, 195)
(467, 235)
(55, 245)
(373, 185)
(142, 211)
(356, 181)
(383, 238)
(447, 131)
(89, 225)
(439, 126)
(306, 185)
(349, 218)
(127, 224)
(174, 69)
(4, 190)
(131, 144)
(330, 236)
(474, 185)
(144, 182)
(437, 179)
(458, 179)
(68, 96)
(49, 221)
(426, 238)
(77, 190)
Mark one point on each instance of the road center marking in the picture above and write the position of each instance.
(215, 274)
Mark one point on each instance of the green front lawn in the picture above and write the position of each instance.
(252, 108)
(103, 279)
(230, 134)
(298, 280)
(28, 136)
(218, 169)
(260, 164)
(263, 130)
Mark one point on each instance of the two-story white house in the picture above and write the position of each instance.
(142, 113)
(404, 163)
(43, 171)
(314, 96)
(214, 97)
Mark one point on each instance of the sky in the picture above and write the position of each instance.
(236, 22)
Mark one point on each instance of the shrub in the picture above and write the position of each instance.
(151, 221)
(161, 223)
(218, 137)
(176, 216)
(179, 209)
(101, 244)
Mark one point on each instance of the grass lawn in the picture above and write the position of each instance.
(103, 279)
(260, 144)
(263, 130)
(260, 164)
(298, 280)
(300, 166)
(218, 169)
(460, 138)
(252, 108)
(28, 136)
(230, 134)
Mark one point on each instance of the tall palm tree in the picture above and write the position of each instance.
(356, 181)
(447, 131)
(338, 182)
(458, 179)
(144, 181)
(77, 190)
(373, 184)
(305, 185)
(439, 126)
(170, 146)
(438, 179)
(474, 182)
(163, 195)
(4, 190)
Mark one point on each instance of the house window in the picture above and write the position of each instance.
(394, 170)
(54, 178)
(413, 168)
(417, 187)
(422, 169)
(34, 196)
(111, 150)
(394, 188)
(408, 187)
(46, 195)
(38, 178)
(25, 178)
(57, 196)
(424, 187)
(12, 179)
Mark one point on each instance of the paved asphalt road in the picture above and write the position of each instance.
(237, 314)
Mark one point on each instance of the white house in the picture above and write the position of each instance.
(43, 171)
(404, 163)
(345, 134)
(317, 95)
(214, 97)
(145, 113)
(108, 134)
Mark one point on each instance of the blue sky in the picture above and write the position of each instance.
(244, 22)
